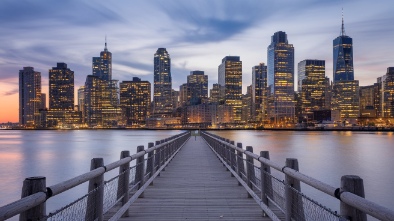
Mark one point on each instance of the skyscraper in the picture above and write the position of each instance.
(101, 93)
(102, 66)
(343, 57)
(230, 78)
(29, 97)
(61, 88)
(345, 93)
(135, 101)
(259, 92)
(162, 101)
(312, 84)
(197, 82)
(280, 78)
(388, 93)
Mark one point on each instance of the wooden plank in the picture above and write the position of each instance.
(195, 186)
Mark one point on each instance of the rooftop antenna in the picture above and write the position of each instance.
(343, 33)
(105, 48)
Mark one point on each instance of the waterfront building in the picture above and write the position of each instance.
(135, 100)
(61, 88)
(162, 87)
(43, 101)
(311, 87)
(175, 98)
(102, 94)
(230, 78)
(368, 99)
(29, 97)
(247, 105)
(388, 93)
(216, 94)
(259, 93)
(345, 93)
(280, 78)
(184, 94)
(197, 81)
(81, 101)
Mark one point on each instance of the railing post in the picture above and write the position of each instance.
(355, 185)
(240, 163)
(31, 186)
(250, 175)
(163, 154)
(150, 162)
(233, 158)
(157, 157)
(123, 183)
(139, 173)
(266, 182)
(94, 208)
(294, 207)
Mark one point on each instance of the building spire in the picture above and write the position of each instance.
(343, 33)
(105, 48)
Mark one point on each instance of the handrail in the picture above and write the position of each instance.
(349, 198)
(38, 198)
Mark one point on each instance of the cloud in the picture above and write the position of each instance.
(11, 92)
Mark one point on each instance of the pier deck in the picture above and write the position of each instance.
(195, 186)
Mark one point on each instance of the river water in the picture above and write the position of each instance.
(326, 155)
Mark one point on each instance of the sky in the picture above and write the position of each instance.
(197, 35)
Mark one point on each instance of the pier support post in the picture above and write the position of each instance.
(353, 184)
(94, 208)
(294, 207)
(157, 157)
(266, 182)
(124, 179)
(150, 162)
(233, 158)
(240, 163)
(139, 173)
(250, 175)
(31, 186)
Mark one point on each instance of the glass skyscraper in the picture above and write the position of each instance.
(345, 92)
(29, 97)
(259, 92)
(197, 81)
(61, 88)
(162, 100)
(343, 57)
(280, 78)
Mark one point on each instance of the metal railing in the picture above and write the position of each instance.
(120, 191)
(273, 194)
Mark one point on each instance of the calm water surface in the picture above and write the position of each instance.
(61, 155)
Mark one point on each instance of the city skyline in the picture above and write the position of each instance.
(197, 36)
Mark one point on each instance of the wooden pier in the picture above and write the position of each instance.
(195, 186)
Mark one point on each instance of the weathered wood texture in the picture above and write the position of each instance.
(195, 187)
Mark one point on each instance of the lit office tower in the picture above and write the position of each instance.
(259, 92)
(388, 93)
(29, 97)
(345, 93)
(230, 78)
(61, 88)
(101, 93)
(162, 101)
(197, 82)
(102, 66)
(280, 76)
(312, 85)
(135, 99)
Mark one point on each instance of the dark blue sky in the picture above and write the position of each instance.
(197, 34)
